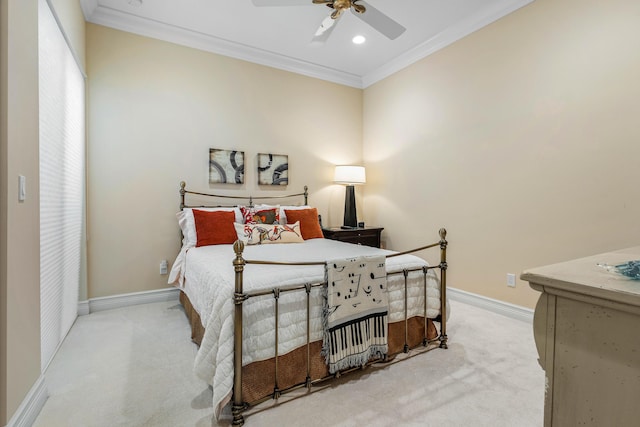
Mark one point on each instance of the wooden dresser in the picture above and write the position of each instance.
(369, 236)
(587, 333)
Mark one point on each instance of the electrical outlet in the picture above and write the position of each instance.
(511, 280)
(163, 267)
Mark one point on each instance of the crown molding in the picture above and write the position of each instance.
(88, 7)
(443, 39)
(133, 24)
(112, 18)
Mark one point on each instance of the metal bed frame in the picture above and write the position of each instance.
(239, 406)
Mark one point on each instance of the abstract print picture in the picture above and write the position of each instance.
(273, 169)
(226, 166)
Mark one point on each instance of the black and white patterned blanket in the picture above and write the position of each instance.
(356, 312)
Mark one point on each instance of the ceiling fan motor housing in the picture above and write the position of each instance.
(342, 5)
(376, 19)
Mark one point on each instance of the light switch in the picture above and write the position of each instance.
(22, 192)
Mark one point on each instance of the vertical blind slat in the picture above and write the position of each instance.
(62, 183)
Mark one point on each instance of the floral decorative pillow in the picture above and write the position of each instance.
(255, 234)
(260, 215)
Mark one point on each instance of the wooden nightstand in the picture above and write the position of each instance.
(369, 236)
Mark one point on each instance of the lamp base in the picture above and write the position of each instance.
(350, 220)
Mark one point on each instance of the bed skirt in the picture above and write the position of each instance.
(292, 367)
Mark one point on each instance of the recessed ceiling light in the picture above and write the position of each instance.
(358, 39)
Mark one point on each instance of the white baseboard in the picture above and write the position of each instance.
(31, 406)
(125, 300)
(83, 308)
(500, 307)
(171, 294)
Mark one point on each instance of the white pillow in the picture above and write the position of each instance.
(283, 215)
(188, 224)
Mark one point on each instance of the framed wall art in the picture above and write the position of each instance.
(226, 166)
(273, 169)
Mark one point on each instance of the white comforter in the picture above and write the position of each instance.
(209, 283)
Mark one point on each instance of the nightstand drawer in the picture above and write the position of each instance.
(368, 236)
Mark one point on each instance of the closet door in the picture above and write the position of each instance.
(62, 182)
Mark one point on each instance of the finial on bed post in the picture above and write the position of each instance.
(182, 193)
(238, 298)
(238, 248)
(306, 194)
(443, 287)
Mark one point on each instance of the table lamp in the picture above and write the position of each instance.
(350, 176)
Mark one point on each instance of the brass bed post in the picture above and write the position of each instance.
(425, 341)
(238, 299)
(307, 381)
(443, 288)
(182, 193)
(405, 349)
(276, 389)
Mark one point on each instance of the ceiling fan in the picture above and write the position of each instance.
(369, 14)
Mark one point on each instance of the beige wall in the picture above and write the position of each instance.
(522, 139)
(156, 108)
(19, 221)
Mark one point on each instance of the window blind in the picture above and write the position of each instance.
(62, 182)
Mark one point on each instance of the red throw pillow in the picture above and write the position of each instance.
(309, 224)
(214, 228)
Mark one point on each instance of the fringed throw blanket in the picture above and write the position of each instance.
(355, 315)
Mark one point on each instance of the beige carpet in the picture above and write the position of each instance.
(133, 367)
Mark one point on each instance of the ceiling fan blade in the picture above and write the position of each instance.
(324, 30)
(381, 22)
(358, 8)
(267, 3)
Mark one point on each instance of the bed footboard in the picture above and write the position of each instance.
(238, 403)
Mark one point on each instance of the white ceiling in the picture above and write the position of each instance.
(280, 36)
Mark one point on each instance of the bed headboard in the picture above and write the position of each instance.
(249, 199)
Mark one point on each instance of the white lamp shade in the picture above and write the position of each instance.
(350, 175)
